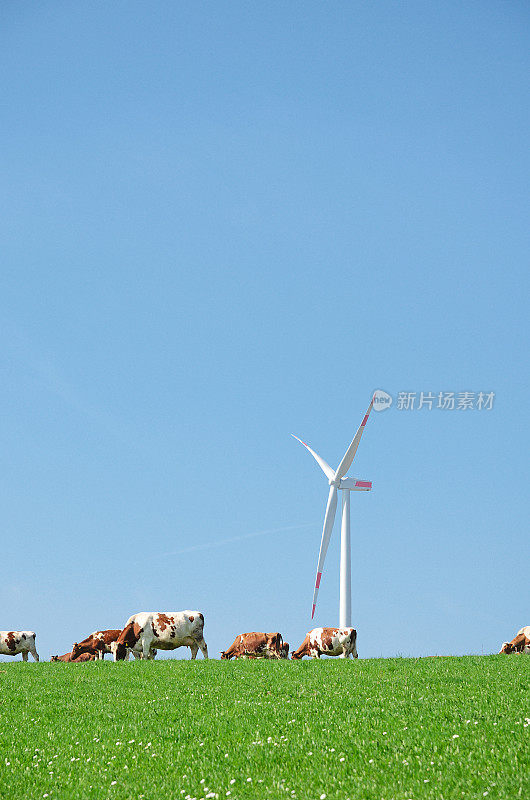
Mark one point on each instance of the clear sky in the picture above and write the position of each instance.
(223, 223)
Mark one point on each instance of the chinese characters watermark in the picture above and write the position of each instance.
(446, 401)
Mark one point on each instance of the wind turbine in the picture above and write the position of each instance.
(338, 480)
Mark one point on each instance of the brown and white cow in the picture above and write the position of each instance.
(163, 630)
(255, 645)
(520, 643)
(67, 658)
(14, 642)
(98, 643)
(328, 642)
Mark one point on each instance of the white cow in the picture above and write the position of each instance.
(14, 642)
(163, 630)
(328, 642)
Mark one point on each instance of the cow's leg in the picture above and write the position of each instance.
(314, 653)
(34, 654)
(194, 650)
(146, 645)
(25, 655)
(204, 649)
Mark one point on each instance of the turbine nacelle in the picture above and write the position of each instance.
(355, 485)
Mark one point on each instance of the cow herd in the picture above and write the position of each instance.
(149, 631)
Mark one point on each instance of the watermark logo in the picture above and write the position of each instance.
(427, 401)
(382, 400)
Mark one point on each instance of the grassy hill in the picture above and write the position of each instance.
(364, 730)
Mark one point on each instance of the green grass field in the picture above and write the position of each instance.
(367, 729)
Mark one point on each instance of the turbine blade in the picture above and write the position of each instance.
(349, 455)
(326, 535)
(324, 466)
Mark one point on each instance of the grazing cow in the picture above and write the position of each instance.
(255, 645)
(67, 658)
(329, 642)
(520, 643)
(14, 642)
(98, 643)
(162, 630)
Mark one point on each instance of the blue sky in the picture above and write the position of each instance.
(226, 223)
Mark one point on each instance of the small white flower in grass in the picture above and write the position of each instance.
(232, 780)
(484, 794)
(425, 780)
(332, 750)
(323, 796)
(249, 780)
(456, 736)
(342, 759)
(113, 783)
(202, 780)
(228, 794)
(371, 761)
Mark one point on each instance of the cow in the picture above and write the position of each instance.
(255, 645)
(329, 642)
(14, 642)
(67, 658)
(520, 643)
(162, 630)
(98, 643)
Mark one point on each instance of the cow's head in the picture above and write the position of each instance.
(54, 658)
(353, 640)
(118, 650)
(296, 655)
(76, 650)
(507, 647)
(224, 656)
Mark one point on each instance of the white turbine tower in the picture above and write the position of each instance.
(338, 480)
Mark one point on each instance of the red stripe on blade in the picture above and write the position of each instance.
(313, 611)
(363, 423)
(317, 584)
(365, 484)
